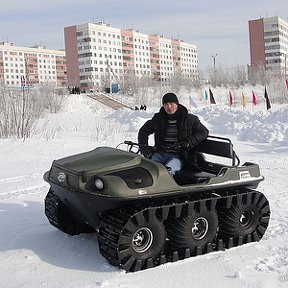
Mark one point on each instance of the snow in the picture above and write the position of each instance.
(35, 254)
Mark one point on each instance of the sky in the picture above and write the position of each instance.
(218, 28)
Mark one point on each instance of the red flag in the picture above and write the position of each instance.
(230, 98)
(268, 104)
(212, 100)
(254, 99)
(287, 83)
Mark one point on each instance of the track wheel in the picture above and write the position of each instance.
(59, 216)
(250, 216)
(142, 239)
(194, 230)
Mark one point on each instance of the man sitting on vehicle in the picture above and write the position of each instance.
(176, 132)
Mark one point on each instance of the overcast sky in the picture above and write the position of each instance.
(215, 26)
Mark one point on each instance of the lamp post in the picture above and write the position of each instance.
(285, 66)
(214, 60)
(214, 66)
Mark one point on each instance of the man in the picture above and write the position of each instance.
(176, 132)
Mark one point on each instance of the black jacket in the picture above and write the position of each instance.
(189, 128)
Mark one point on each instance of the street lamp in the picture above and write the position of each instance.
(214, 63)
(285, 66)
(214, 60)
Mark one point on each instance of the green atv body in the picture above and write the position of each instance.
(146, 217)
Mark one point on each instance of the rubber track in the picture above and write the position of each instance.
(51, 209)
(113, 222)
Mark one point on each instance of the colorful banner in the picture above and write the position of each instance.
(212, 100)
(230, 99)
(192, 102)
(268, 104)
(254, 99)
(243, 100)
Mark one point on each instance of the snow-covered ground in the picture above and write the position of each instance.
(34, 254)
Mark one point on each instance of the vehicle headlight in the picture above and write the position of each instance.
(99, 184)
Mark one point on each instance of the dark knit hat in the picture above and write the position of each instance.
(170, 97)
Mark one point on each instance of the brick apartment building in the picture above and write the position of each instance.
(34, 64)
(97, 53)
(269, 44)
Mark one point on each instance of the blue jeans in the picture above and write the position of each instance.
(174, 162)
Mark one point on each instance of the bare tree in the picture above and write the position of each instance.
(278, 89)
(259, 75)
(129, 84)
(176, 82)
(21, 108)
(52, 96)
(238, 76)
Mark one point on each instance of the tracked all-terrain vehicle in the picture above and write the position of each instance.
(145, 217)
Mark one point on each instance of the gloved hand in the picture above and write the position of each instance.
(146, 151)
(183, 145)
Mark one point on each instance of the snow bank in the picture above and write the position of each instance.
(34, 254)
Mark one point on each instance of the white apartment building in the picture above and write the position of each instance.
(34, 64)
(166, 59)
(141, 54)
(276, 43)
(97, 54)
(189, 60)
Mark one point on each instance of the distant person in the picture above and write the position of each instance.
(143, 107)
(176, 132)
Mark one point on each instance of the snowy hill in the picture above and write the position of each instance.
(34, 254)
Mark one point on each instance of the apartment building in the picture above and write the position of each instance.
(98, 55)
(34, 64)
(269, 44)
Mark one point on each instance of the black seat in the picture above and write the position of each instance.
(186, 176)
(203, 170)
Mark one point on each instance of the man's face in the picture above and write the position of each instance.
(170, 107)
